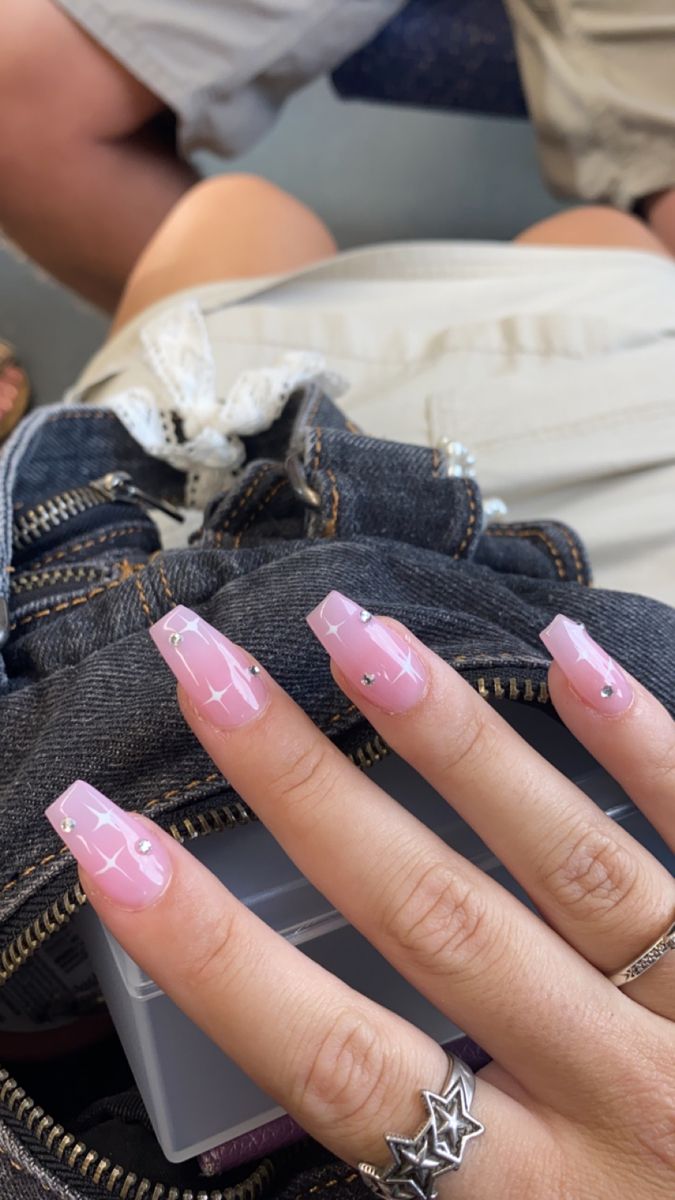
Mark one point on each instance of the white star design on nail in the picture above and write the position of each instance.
(333, 628)
(192, 626)
(216, 697)
(586, 652)
(111, 863)
(102, 818)
(407, 668)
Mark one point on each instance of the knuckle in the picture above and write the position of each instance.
(661, 766)
(306, 777)
(218, 953)
(442, 921)
(471, 740)
(345, 1079)
(590, 873)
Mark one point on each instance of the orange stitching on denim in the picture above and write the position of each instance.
(24, 1170)
(165, 583)
(45, 612)
(89, 545)
(559, 564)
(318, 1187)
(339, 716)
(581, 574)
(281, 483)
(435, 462)
(143, 598)
(316, 462)
(473, 513)
(353, 428)
(29, 870)
(94, 414)
(330, 527)
(235, 512)
(187, 787)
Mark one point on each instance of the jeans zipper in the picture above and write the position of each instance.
(113, 1178)
(31, 581)
(31, 526)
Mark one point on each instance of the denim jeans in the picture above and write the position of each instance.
(84, 694)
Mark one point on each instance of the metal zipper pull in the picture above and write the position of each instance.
(118, 485)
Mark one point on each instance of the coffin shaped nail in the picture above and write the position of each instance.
(591, 671)
(128, 863)
(223, 681)
(373, 656)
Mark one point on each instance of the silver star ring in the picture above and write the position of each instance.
(437, 1147)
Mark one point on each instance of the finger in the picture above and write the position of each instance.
(634, 739)
(345, 1068)
(594, 883)
(628, 731)
(459, 937)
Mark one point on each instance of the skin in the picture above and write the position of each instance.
(85, 175)
(268, 231)
(88, 173)
(580, 1098)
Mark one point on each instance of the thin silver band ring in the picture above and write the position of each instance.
(647, 959)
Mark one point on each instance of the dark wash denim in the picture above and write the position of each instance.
(83, 693)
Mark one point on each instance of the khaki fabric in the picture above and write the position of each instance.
(555, 366)
(225, 68)
(599, 76)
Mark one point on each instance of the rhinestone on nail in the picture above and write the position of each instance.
(68, 824)
(175, 639)
(366, 616)
(255, 669)
(607, 691)
(367, 679)
(144, 846)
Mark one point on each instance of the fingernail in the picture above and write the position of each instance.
(373, 656)
(591, 671)
(131, 867)
(222, 680)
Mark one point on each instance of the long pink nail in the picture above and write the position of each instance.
(372, 655)
(592, 672)
(131, 866)
(221, 679)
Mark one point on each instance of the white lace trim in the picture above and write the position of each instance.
(185, 422)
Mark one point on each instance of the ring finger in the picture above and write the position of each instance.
(603, 891)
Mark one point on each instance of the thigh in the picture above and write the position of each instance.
(61, 84)
(593, 225)
(229, 227)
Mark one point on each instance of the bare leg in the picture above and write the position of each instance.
(83, 185)
(230, 227)
(594, 225)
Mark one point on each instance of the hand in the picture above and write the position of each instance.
(579, 1100)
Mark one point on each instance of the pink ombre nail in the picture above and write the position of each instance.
(373, 656)
(595, 676)
(129, 865)
(221, 679)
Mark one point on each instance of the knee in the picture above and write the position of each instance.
(253, 205)
(220, 194)
(597, 225)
